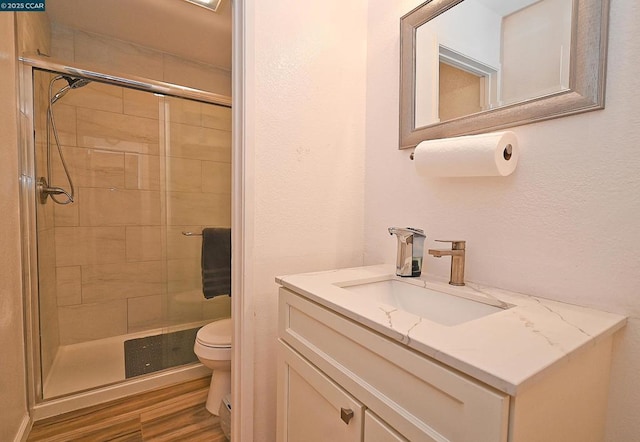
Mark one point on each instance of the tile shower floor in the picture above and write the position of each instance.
(86, 365)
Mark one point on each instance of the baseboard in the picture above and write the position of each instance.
(25, 428)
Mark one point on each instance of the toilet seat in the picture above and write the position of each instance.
(216, 334)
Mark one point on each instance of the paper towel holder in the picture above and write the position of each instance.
(507, 153)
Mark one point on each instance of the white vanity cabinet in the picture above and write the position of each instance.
(328, 364)
(340, 380)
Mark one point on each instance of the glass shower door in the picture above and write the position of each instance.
(114, 270)
(196, 190)
(198, 194)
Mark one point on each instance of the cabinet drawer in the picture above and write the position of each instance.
(417, 396)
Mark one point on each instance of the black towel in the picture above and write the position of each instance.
(216, 262)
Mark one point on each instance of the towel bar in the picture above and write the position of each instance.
(191, 234)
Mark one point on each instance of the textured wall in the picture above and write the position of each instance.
(305, 141)
(12, 369)
(563, 226)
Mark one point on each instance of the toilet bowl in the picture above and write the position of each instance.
(213, 348)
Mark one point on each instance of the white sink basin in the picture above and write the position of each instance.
(433, 305)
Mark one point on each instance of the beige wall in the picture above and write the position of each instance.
(34, 33)
(12, 369)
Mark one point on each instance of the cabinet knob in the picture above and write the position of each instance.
(346, 414)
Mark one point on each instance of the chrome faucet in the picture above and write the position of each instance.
(410, 250)
(456, 276)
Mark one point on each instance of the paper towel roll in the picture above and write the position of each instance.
(492, 154)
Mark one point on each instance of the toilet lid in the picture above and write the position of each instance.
(218, 333)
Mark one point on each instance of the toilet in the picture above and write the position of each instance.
(213, 348)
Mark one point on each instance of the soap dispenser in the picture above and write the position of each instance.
(410, 250)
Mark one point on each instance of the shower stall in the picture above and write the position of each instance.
(119, 177)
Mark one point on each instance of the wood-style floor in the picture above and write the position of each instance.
(173, 413)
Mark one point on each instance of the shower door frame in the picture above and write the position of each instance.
(42, 408)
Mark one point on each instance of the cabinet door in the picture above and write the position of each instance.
(376, 430)
(311, 407)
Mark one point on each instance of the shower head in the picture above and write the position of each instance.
(72, 83)
(75, 83)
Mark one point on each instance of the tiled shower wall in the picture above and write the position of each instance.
(145, 168)
(119, 56)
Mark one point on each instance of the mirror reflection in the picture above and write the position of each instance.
(485, 54)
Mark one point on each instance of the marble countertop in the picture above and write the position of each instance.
(506, 350)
